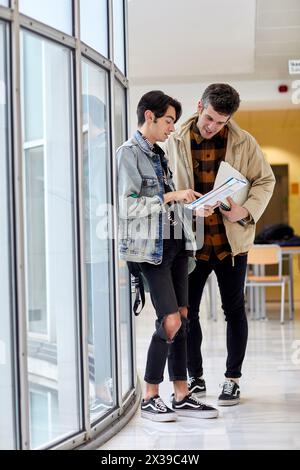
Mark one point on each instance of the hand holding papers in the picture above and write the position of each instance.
(226, 189)
(227, 171)
(235, 212)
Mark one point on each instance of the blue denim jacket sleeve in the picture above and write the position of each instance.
(131, 203)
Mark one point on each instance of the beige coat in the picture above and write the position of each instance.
(244, 154)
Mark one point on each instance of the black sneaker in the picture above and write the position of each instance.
(191, 406)
(197, 386)
(230, 394)
(156, 410)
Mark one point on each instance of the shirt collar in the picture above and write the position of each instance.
(150, 145)
(196, 133)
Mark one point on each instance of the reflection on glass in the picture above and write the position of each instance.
(43, 405)
(97, 244)
(55, 13)
(119, 34)
(6, 361)
(33, 100)
(93, 17)
(124, 287)
(36, 240)
(49, 240)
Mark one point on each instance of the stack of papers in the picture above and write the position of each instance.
(227, 171)
(226, 189)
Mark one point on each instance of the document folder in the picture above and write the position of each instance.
(226, 189)
(227, 171)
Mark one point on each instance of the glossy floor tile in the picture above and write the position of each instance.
(268, 416)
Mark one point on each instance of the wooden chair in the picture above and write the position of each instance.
(260, 256)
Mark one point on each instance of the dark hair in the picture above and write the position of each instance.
(222, 97)
(95, 108)
(157, 102)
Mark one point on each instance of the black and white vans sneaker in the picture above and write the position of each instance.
(230, 394)
(156, 410)
(197, 386)
(191, 406)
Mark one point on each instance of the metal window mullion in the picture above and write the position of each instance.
(126, 40)
(83, 333)
(127, 117)
(19, 226)
(5, 13)
(46, 31)
(114, 214)
(95, 56)
(12, 234)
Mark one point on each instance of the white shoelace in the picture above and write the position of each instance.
(195, 399)
(160, 404)
(191, 381)
(228, 387)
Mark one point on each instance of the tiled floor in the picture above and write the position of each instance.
(269, 414)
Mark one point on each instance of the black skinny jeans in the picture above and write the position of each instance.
(168, 284)
(231, 280)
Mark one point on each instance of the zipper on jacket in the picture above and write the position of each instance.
(232, 260)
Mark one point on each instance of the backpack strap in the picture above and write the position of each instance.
(138, 283)
(139, 294)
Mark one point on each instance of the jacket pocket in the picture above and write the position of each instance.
(149, 186)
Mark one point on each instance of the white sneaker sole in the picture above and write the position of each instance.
(197, 414)
(236, 401)
(162, 418)
(198, 394)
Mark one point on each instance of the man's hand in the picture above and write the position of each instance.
(236, 212)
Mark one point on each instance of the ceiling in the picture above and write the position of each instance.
(182, 41)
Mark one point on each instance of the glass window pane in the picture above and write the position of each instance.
(124, 288)
(97, 243)
(120, 114)
(55, 13)
(33, 88)
(36, 239)
(119, 34)
(49, 241)
(94, 21)
(6, 361)
(4, 3)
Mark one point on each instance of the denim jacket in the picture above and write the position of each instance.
(141, 203)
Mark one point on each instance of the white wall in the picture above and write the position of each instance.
(254, 95)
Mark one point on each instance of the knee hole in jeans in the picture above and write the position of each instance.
(172, 324)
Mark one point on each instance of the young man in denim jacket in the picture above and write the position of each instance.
(152, 233)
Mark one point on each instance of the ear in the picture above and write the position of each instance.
(148, 115)
(199, 106)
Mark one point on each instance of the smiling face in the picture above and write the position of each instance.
(210, 122)
(159, 129)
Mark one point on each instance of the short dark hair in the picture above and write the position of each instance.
(157, 102)
(222, 97)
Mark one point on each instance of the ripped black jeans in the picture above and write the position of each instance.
(168, 284)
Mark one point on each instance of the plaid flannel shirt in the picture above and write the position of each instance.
(207, 155)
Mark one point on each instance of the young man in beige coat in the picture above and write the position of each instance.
(195, 153)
